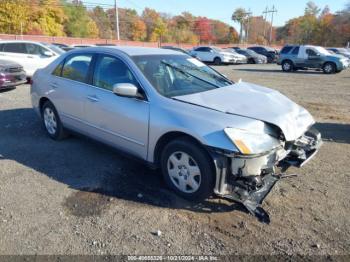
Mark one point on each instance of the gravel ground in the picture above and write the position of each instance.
(80, 197)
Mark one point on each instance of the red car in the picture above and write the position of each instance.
(11, 74)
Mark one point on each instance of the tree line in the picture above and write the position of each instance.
(76, 19)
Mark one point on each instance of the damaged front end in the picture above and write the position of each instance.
(248, 178)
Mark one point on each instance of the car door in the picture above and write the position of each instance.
(119, 121)
(16, 52)
(204, 54)
(37, 56)
(313, 58)
(68, 89)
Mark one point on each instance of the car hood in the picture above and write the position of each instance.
(337, 57)
(256, 102)
(227, 53)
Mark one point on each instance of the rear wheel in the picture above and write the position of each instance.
(187, 169)
(217, 61)
(329, 68)
(251, 61)
(52, 122)
(287, 66)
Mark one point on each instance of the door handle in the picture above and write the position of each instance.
(30, 56)
(93, 98)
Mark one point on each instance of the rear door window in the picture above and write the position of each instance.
(18, 48)
(77, 67)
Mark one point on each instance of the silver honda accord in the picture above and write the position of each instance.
(206, 133)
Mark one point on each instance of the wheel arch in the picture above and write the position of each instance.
(42, 101)
(289, 60)
(170, 136)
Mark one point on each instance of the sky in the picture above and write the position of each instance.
(223, 9)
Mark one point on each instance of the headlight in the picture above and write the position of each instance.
(251, 143)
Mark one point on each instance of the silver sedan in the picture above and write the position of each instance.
(205, 133)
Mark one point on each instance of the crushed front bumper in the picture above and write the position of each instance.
(251, 190)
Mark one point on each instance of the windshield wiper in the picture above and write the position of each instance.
(220, 78)
(188, 74)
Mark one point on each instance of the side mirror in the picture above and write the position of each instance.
(126, 90)
(48, 53)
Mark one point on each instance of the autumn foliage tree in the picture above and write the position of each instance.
(204, 30)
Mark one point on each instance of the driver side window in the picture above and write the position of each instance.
(34, 49)
(310, 52)
(109, 71)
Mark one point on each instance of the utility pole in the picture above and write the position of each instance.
(117, 20)
(265, 17)
(274, 10)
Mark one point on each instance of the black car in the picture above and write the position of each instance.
(252, 57)
(269, 52)
(63, 46)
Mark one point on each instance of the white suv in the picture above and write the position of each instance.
(30, 55)
(213, 54)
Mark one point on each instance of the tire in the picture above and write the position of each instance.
(52, 122)
(217, 61)
(179, 159)
(251, 61)
(287, 66)
(329, 68)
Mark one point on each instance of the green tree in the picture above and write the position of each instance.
(78, 21)
(14, 16)
(102, 21)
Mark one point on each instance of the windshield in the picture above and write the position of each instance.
(54, 48)
(322, 50)
(177, 75)
(218, 49)
(248, 51)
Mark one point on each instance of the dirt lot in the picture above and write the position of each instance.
(81, 197)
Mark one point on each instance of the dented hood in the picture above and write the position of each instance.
(256, 102)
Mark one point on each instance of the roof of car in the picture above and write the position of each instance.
(135, 51)
(19, 41)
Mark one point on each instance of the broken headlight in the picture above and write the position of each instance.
(250, 143)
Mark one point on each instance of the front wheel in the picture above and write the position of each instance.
(329, 68)
(287, 66)
(217, 61)
(52, 122)
(187, 169)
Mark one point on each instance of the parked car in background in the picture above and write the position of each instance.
(214, 55)
(11, 74)
(30, 55)
(269, 52)
(294, 57)
(240, 59)
(82, 46)
(252, 57)
(205, 133)
(63, 46)
(340, 51)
